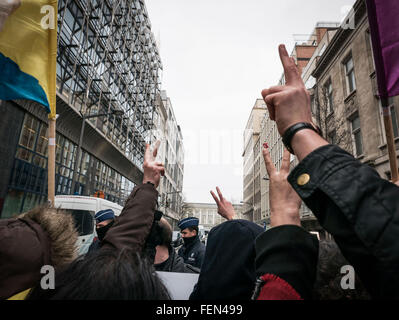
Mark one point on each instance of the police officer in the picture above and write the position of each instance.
(104, 221)
(192, 251)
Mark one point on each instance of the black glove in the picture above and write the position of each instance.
(154, 239)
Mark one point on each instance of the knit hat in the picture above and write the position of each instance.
(104, 215)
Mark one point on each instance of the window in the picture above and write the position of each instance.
(84, 221)
(29, 132)
(394, 122)
(350, 75)
(328, 89)
(357, 136)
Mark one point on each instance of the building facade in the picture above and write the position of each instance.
(207, 213)
(171, 154)
(107, 62)
(306, 54)
(252, 162)
(348, 109)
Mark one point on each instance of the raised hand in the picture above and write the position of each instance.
(225, 208)
(288, 104)
(152, 170)
(284, 201)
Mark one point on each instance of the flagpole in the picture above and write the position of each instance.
(53, 98)
(386, 109)
(51, 161)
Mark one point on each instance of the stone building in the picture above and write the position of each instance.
(346, 104)
(171, 154)
(251, 161)
(207, 213)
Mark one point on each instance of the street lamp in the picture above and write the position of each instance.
(77, 159)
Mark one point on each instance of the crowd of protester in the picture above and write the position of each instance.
(241, 260)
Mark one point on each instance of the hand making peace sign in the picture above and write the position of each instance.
(153, 170)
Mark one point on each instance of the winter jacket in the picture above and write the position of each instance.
(286, 264)
(359, 209)
(228, 271)
(175, 264)
(133, 225)
(95, 245)
(193, 253)
(32, 240)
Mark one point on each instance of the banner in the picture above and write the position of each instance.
(28, 51)
(384, 28)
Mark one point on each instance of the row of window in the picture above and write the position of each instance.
(355, 127)
(28, 183)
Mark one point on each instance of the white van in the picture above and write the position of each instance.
(83, 210)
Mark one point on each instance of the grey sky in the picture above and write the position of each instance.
(218, 55)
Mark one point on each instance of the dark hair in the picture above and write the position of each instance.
(328, 279)
(165, 231)
(106, 274)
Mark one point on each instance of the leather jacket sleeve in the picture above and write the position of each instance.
(359, 209)
(133, 226)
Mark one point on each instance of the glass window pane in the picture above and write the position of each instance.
(349, 65)
(29, 132)
(42, 141)
(356, 123)
(24, 154)
(358, 142)
(394, 122)
(12, 204)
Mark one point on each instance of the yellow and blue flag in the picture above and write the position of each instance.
(28, 51)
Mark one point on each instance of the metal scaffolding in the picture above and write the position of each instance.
(108, 60)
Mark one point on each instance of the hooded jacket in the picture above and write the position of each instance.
(39, 237)
(228, 271)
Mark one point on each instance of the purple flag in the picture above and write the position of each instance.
(384, 28)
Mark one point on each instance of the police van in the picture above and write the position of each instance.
(83, 210)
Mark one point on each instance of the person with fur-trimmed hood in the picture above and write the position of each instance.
(42, 236)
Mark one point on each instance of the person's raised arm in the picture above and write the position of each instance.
(133, 226)
(284, 201)
(350, 200)
(289, 105)
(286, 254)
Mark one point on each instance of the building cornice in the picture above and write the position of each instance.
(339, 39)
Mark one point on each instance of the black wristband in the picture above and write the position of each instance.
(148, 182)
(291, 131)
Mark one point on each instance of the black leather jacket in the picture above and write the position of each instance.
(359, 209)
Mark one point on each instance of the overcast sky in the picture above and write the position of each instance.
(217, 56)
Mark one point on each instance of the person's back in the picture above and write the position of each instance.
(328, 280)
(106, 274)
(228, 271)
